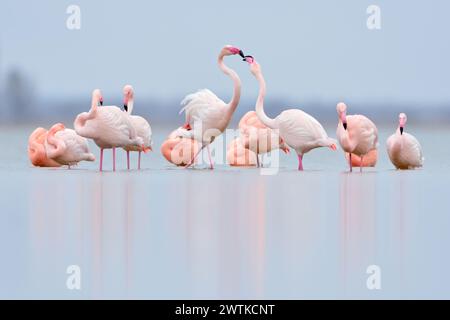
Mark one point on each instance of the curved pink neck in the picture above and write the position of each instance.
(57, 146)
(81, 119)
(237, 84)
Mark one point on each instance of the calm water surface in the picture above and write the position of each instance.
(172, 233)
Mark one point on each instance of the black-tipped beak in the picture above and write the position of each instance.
(101, 102)
(125, 107)
(345, 125)
(241, 54)
(401, 130)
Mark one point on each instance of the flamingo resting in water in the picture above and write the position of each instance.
(179, 151)
(142, 127)
(206, 110)
(356, 134)
(109, 127)
(403, 148)
(255, 138)
(36, 149)
(66, 147)
(298, 129)
(369, 160)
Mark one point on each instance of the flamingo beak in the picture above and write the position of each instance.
(101, 102)
(241, 54)
(401, 130)
(125, 107)
(345, 125)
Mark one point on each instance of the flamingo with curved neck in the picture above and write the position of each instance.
(37, 152)
(142, 127)
(298, 129)
(205, 107)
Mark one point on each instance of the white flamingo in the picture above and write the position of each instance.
(108, 126)
(204, 108)
(356, 134)
(142, 127)
(403, 148)
(66, 147)
(299, 130)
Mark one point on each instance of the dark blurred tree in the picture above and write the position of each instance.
(18, 93)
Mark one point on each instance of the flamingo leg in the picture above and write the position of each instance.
(194, 158)
(300, 162)
(211, 165)
(128, 160)
(361, 164)
(101, 159)
(257, 161)
(139, 161)
(350, 162)
(114, 159)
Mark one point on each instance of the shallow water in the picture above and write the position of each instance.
(165, 232)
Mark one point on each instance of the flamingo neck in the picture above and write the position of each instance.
(55, 144)
(237, 84)
(260, 102)
(130, 104)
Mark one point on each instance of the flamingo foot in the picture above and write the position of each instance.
(128, 160)
(350, 162)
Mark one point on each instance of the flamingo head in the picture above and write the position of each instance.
(402, 118)
(341, 109)
(255, 68)
(97, 95)
(230, 50)
(128, 94)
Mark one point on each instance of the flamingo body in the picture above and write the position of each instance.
(66, 147)
(37, 152)
(179, 151)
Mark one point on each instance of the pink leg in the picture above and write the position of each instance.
(139, 161)
(114, 159)
(101, 159)
(350, 162)
(194, 158)
(360, 164)
(300, 162)
(211, 165)
(257, 161)
(128, 160)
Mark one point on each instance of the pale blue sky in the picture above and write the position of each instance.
(310, 50)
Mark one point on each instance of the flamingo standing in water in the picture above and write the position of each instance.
(298, 129)
(66, 147)
(356, 134)
(109, 127)
(179, 151)
(369, 160)
(403, 148)
(204, 108)
(37, 152)
(142, 127)
(257, 138)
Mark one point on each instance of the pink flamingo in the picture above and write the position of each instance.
(36, 149)
(179, 151)
(109, 127)
(369, 160)
(240, 156)
(299, 130)
(356, 134)
(142, 127)
(204, 108)
(66, 147)
(256, 137)
(404, 149)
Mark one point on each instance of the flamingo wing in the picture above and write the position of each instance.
(203, 106)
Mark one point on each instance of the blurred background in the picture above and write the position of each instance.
(313, 53)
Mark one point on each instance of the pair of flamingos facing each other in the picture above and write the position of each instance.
(109, 127)
(357, 135)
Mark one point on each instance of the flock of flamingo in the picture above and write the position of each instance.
(111, 127)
